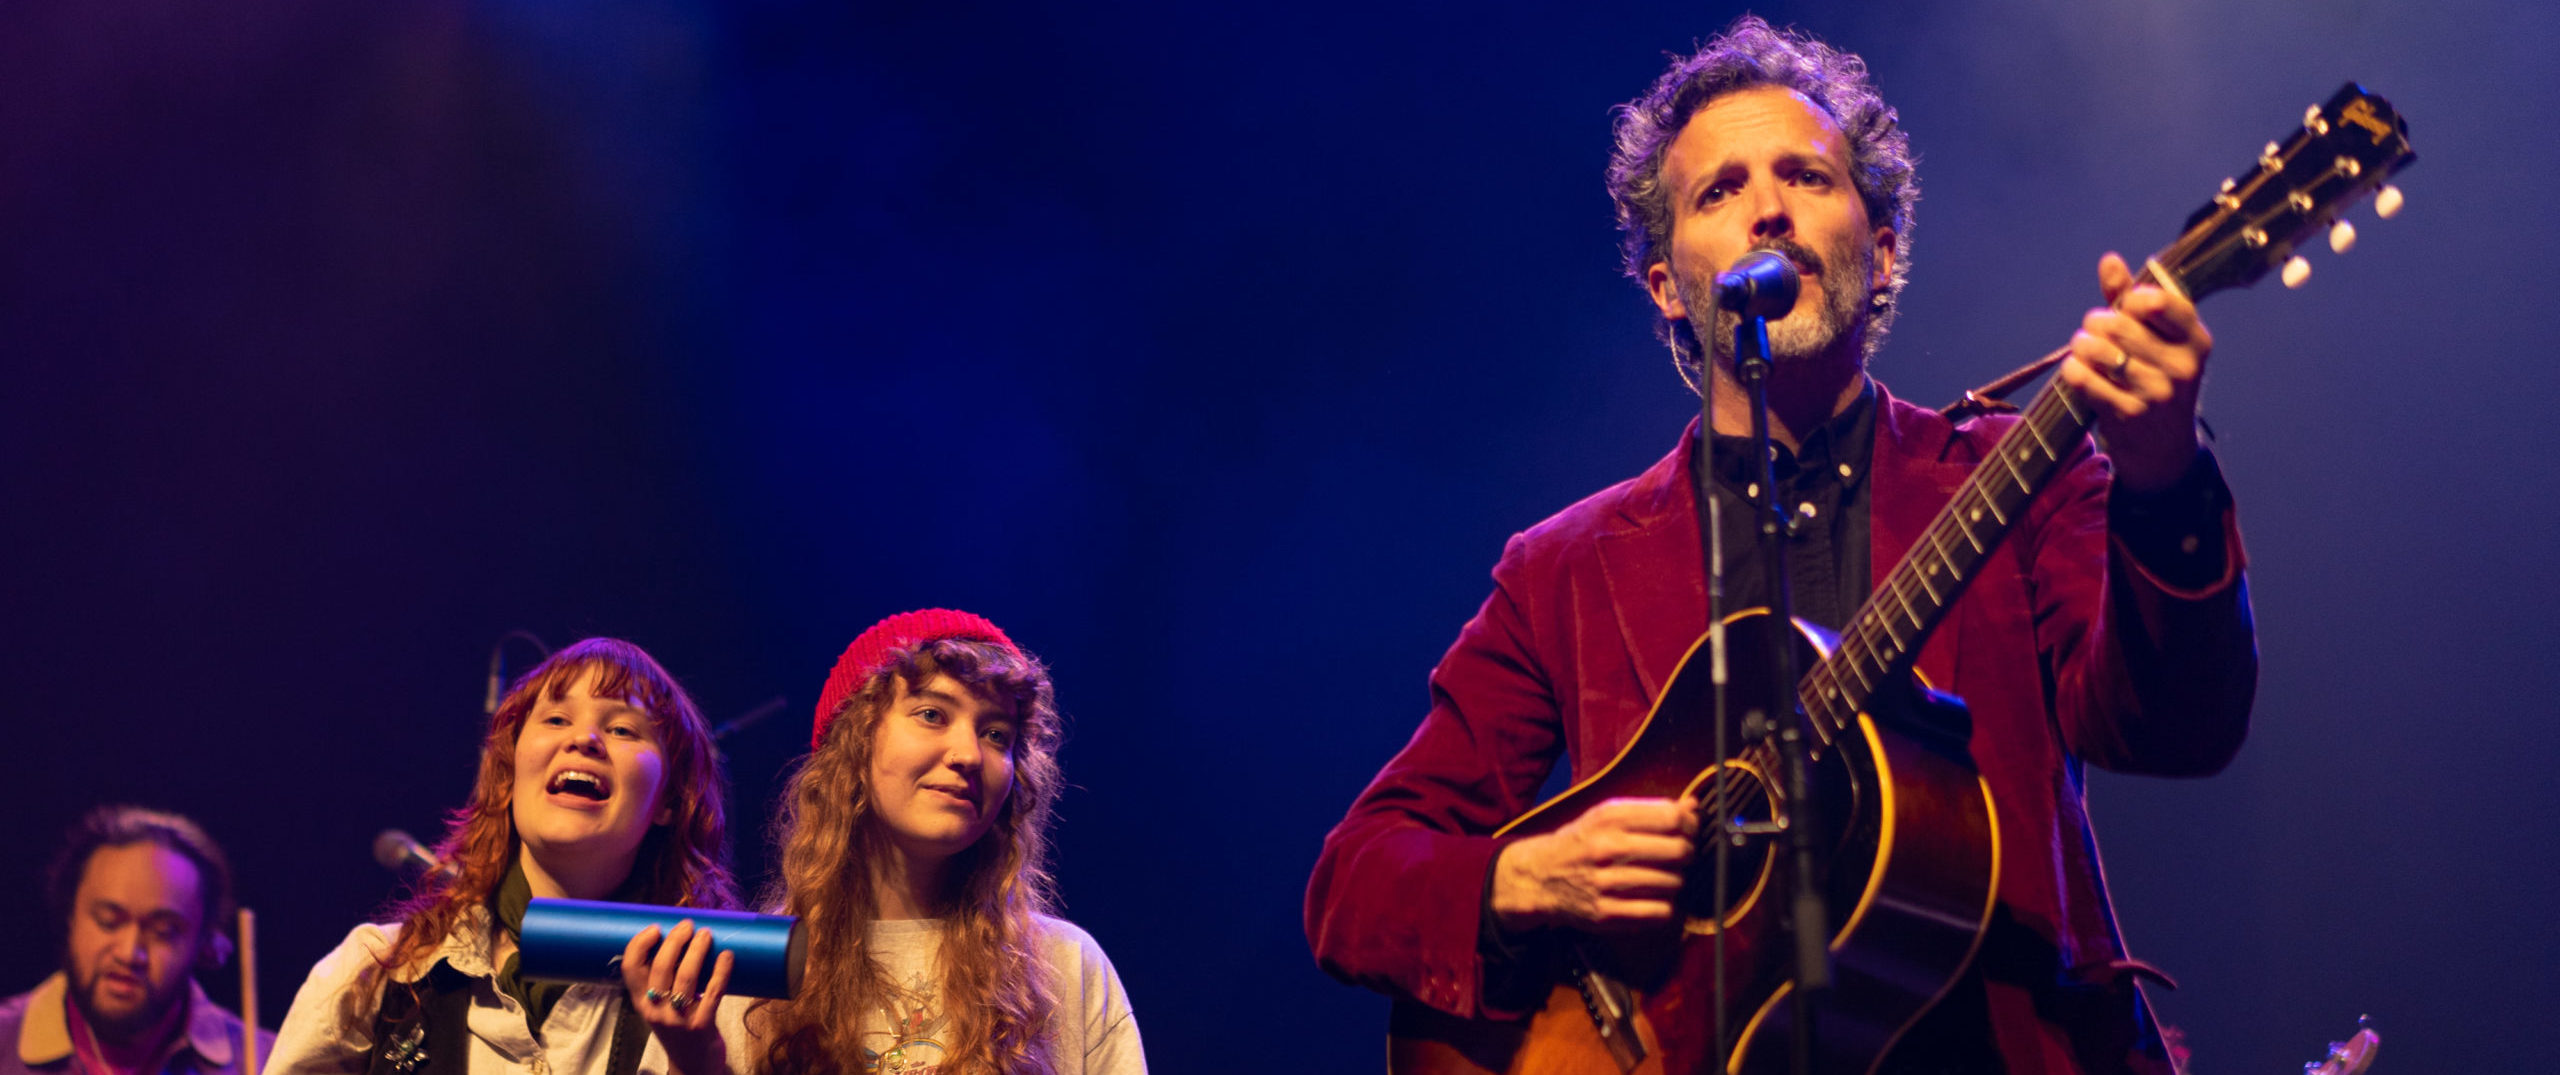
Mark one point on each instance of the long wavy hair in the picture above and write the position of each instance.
(686, 859)
(829, 843)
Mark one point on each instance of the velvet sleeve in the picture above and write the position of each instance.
(2147, 675)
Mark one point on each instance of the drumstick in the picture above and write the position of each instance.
(248, 992)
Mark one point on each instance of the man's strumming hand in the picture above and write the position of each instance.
(1616, 866)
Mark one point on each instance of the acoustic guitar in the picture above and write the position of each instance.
(1913, 851)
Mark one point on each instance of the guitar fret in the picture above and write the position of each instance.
(1864, 631)
(1887, 630)
(1969, 539)
(1848, 645)
(2012, 468)
(2063, 396)
(1932, 536)
(1845, 700)
(2035, 429)
(1879, 668)
(1825, 718)
(1824, 678)
(1893, 585)
(1818, 711)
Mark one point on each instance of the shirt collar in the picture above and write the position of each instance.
(469, 947)
(208, 1028)
(1847, 440)
(45, 1036)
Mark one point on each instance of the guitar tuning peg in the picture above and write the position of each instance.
(2386, 204)
(2342, 237)
(2296, 271)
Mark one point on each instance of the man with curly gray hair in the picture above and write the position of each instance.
(2111, 628)
(1880, 164)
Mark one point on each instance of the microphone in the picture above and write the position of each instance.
(1761, 283)
(400, 853)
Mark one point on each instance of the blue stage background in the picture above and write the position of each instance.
(1214, 351)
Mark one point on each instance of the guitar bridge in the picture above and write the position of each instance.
(1613, 1013)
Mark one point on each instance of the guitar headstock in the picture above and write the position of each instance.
(2346, 149)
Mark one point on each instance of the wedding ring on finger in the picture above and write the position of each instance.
(2123, 360)
(680, 1001)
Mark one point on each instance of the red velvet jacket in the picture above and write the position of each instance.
(2066, 650)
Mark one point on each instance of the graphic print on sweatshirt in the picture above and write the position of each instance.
(912, 1041)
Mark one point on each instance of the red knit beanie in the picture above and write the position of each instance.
(869, 653)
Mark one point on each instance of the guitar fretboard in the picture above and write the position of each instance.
(2343, 151)
(1884, 637)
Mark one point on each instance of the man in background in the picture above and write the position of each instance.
(147, 896)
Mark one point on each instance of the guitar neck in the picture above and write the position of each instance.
(1885, 635)
(2297, 186)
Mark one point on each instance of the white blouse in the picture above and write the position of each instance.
(577, 1036)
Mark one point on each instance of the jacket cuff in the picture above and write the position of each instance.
(1515, 974)
(2182, 538)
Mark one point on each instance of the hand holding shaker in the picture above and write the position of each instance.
(583, 940)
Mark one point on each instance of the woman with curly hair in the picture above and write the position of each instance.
(597, 781)
(914, 847)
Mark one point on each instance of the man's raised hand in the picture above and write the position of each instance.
(2141, 359)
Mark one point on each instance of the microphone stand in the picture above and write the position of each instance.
(1716, 828)
(1778, 714)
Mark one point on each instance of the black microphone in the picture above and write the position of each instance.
(1761, 283)
(400, 853)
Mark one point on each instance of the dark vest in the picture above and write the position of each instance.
(423, 1028)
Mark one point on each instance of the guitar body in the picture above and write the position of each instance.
(1912, 863)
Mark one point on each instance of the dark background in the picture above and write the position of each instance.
(1213, 350)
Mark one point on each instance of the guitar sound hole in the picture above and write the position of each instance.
(1735, 795)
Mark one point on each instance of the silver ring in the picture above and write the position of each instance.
(2123, 360)
(681, 1001)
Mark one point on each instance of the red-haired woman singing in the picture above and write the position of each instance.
(597, 781)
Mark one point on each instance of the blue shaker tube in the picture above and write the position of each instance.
(583, 940)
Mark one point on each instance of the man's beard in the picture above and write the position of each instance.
(119, 1028)
(1839, 324)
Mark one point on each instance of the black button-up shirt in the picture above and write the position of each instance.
(1822, 487)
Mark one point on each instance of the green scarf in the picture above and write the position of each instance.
(513, 896)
